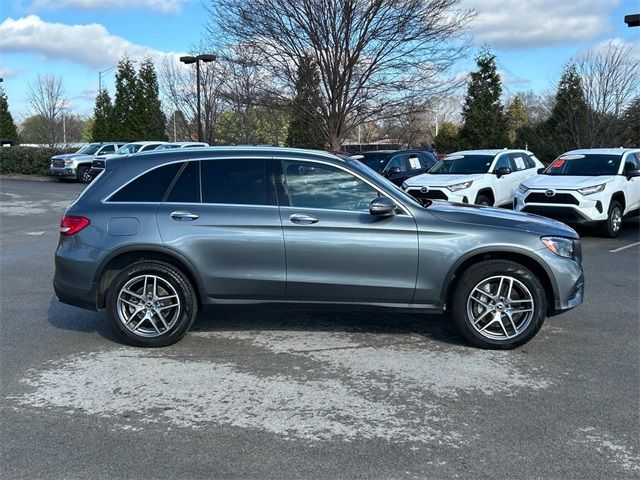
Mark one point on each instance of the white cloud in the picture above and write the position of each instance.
(90, 45)
(634, 47)
(160, 6)
(516, 24)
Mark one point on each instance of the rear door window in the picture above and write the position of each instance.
(186, 189)
(236, 181)
(149, 187)
(518, 161)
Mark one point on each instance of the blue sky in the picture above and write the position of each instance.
(75, 39)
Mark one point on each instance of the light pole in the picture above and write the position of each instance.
(204, 57)
(106, 70)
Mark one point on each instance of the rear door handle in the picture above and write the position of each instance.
(302, 219)
(184, 216)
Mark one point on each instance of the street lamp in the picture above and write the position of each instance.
(204, 57)
(632, 20)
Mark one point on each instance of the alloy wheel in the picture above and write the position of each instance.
(500, 307)
(148, 306)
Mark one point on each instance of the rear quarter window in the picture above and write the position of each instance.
(149, 187)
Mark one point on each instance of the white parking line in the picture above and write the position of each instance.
(624, 248)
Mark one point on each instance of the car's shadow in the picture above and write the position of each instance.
(630, 231)
(279, 318)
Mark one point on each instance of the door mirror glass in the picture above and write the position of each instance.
(541, 169)
(503, 171)
(633, 173)
(393, 170)
(382, 207)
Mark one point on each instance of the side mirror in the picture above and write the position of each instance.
(502, 171)
(382, 207)
(541, 169)
(633, 173)
(391, 171)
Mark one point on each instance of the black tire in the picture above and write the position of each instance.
(484, 200)
(84, 175)
(183, 318)
(612, 225)
(474, 276)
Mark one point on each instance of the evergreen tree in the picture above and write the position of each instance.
(569, 115)
(484, 124)
(448, 139)
(150, 120)
(8, 130)
(516, 120)
(630, 125)
(305, 129)
(123, 120)
(102, 129)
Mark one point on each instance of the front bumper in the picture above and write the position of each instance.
(63, 172)
(566, 206)
(567, 278)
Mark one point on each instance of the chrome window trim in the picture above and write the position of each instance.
(105, 200)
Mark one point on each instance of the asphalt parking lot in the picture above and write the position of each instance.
(279, 393)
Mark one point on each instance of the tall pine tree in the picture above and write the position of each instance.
(150, 120)
(305, 128)
(516, 120)
(485, 123)
(102, 129)
(8, 130)
(123, 119)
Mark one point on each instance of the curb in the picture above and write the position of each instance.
(28, 178)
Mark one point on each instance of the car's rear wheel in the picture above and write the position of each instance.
(84, 174)
(151, 304)
(613, 224)
(498, 304)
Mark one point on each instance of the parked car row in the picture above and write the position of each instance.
(80, 165)
(585, 187)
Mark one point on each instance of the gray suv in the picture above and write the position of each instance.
(155, 240)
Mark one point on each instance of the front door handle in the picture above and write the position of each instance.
(184, 216)
(302, 219)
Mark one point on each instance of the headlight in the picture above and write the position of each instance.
(69, 162)
(459, 186)
(565, 247)
(592, 190)
(522, 188)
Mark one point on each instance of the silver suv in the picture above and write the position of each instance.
(155, 240)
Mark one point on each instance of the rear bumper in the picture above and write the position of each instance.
(75, 266)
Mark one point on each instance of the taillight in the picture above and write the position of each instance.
(72, 224)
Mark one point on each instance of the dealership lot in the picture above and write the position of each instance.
(281, 393)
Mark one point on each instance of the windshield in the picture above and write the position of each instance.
(130, 148)
(590, 165)
(463, 164)
(376, 161)
(89, 149)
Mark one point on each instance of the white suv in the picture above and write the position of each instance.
(483, 177)
(591, 186)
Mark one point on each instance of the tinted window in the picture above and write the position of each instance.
(518, 161)
(150, 187)
(503, 162)
(314, 185)
(375, 160)
(108, 149)
(187, 187)
(585, 165)
(399, 161)
(89, 149)
(529, 161)
(427, 159)
(631, 163)
(240, 182)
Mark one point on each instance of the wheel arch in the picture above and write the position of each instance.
(112, 265)
(487, 191)
(512, 254)
(619, 196)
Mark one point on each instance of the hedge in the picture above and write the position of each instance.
(28, 160)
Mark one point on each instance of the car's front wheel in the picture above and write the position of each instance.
(84, 174)
(498, 304)
(613, 223)
(151, 304)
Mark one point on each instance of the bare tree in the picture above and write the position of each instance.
(376, 58)
(47, 99)
(179, 89)
(610, 79)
